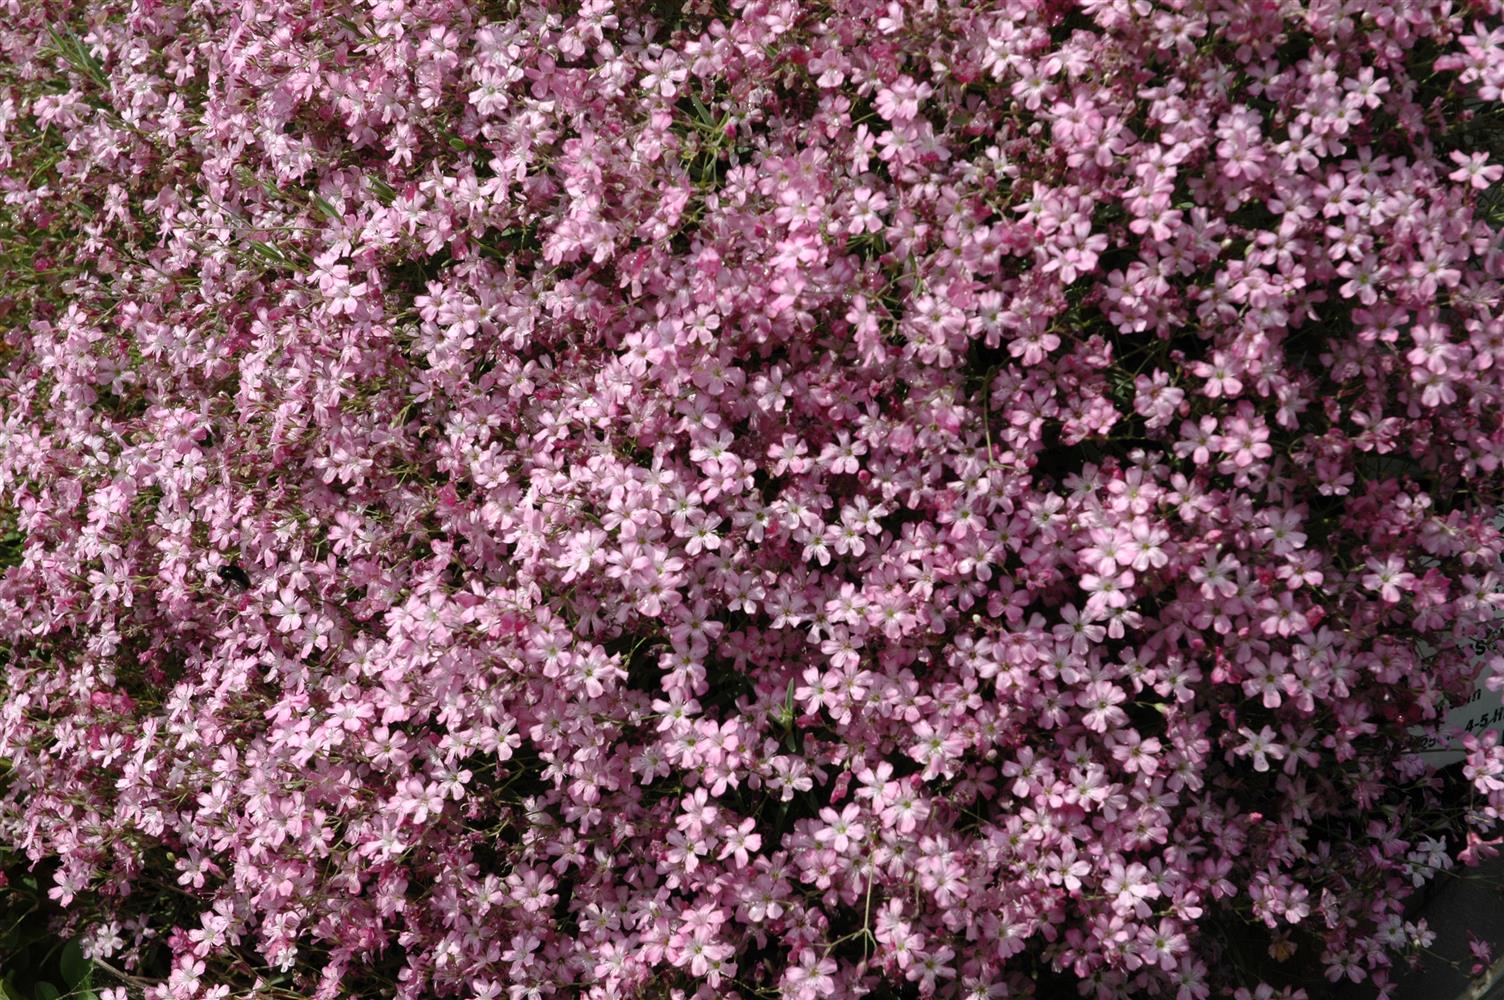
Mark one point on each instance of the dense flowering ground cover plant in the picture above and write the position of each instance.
(753, 499)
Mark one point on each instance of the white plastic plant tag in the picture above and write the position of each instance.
(1476, 716)
(1483, 711)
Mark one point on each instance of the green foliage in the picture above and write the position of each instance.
(35, 963)
(12, 542)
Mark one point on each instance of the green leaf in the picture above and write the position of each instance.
(701, 109)
(271, 189)
(75, 967)
(46, 991)
(268, 251)
(326, 208)
(77, 55)
(457, 144)
(383, 190)
(90, 64)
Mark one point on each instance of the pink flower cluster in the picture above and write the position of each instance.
(747, 498)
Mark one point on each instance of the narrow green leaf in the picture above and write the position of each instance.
(77, 55)
(326, 208)
(383, 190)
(91, 65)
(268, 251)
(62, 47)
(701, 109)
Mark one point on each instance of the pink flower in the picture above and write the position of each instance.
(835, 499)
(1260, 746)
(1474, 169)
(840, 830)
(1101, 699)
(1388, 578)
